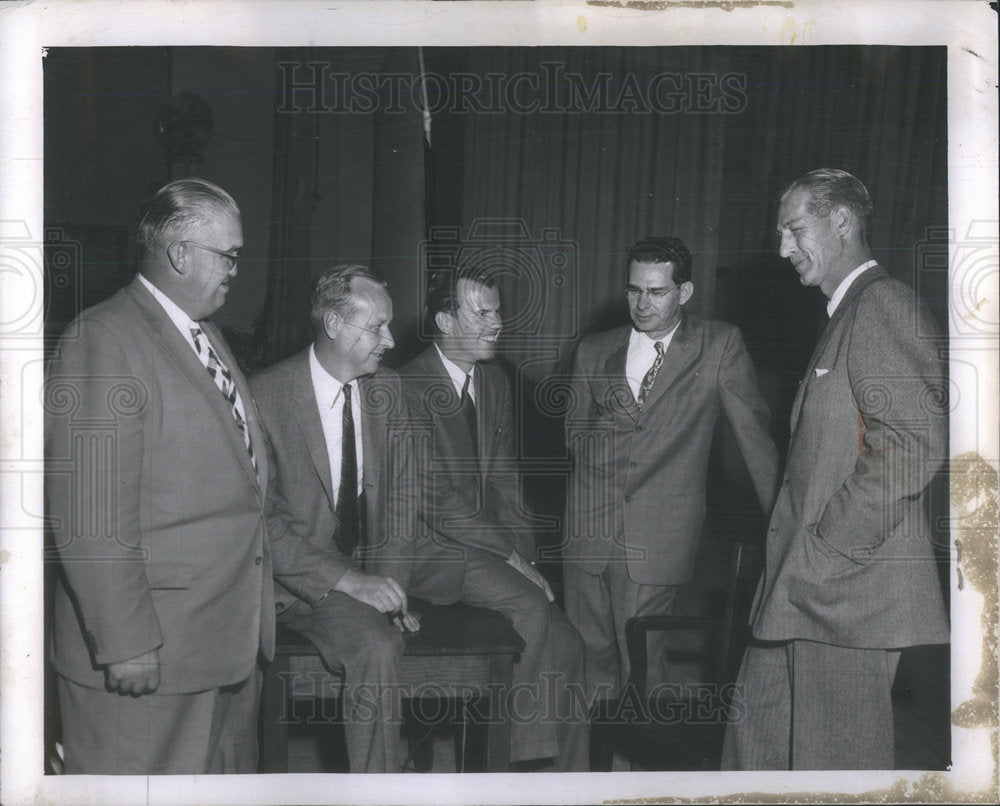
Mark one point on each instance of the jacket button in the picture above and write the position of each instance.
(633, 464)
(628, 499)
(258, 561)
(638, 428)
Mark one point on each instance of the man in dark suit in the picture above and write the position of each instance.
(476, 516)
(342, 503)
(644, 404)
(850, 576)
(155, 489)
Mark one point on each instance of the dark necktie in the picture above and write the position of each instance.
(468, 410)
(650, 377)
(348, 531)
(223, 379)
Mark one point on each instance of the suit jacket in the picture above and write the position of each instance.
(155, 508)
(301, 510)
(849, 561)
(638, 476)
(475, 504)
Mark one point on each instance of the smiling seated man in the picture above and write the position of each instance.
(341, 510)
(474, 511)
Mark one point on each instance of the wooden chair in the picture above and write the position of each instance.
(462, 652)
(681, 727)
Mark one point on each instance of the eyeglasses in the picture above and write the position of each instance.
(634, 292)
(374, 331)
(231, 257)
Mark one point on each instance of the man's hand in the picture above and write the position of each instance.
(136, 676)
(385, 594)
(518, 562)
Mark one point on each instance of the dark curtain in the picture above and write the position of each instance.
(348, 183)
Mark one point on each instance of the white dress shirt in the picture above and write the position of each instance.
(458, 375)
(641, 355)
(180, 319)
(838, 295)
(330, 400)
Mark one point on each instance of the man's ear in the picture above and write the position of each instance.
(842, 219)
(177, 254)
(687, 291)
(331, 324)
(444, 321)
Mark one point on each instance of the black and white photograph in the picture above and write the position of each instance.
(498, 402)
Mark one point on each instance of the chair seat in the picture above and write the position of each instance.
(459, 652)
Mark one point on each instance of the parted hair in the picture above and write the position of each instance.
(829, 188)
(178, 206)
(664, 250)
(442, 291)
(332, 292)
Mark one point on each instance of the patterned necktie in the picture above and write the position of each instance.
(650, 377)
(224, 380)
(348, 530)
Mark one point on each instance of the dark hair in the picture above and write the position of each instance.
(442, 292)
(179, 205)
(332, 292)
(829, 188)
(664, 250)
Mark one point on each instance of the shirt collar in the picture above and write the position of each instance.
(180, 319)
(645, 341)
(845, 284)
(326, 387)
(457, 374)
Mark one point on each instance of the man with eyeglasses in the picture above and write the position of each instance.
(475, 515)
(342, 503)
(643, 407)
(155, 489)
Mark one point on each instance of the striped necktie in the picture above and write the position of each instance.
(223, 378)
(650, 377)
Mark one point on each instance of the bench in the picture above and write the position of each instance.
(460, 651)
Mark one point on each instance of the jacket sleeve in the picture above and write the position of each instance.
(749, 417)
(504, 486)
(901, 396)
(96, 410)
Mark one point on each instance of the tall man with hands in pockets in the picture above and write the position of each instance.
(850, 577)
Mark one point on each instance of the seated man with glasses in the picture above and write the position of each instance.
(342, 502)
(644, 404)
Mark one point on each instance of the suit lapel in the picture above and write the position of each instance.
(678, 355)
(256, 437)
(373, 431)
(857, 287)
(441, 396)
(174, 345)
(619, 392)
(306, 414)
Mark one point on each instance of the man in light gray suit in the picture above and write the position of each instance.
(342, 506)
(645, 401)
(850, 577)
